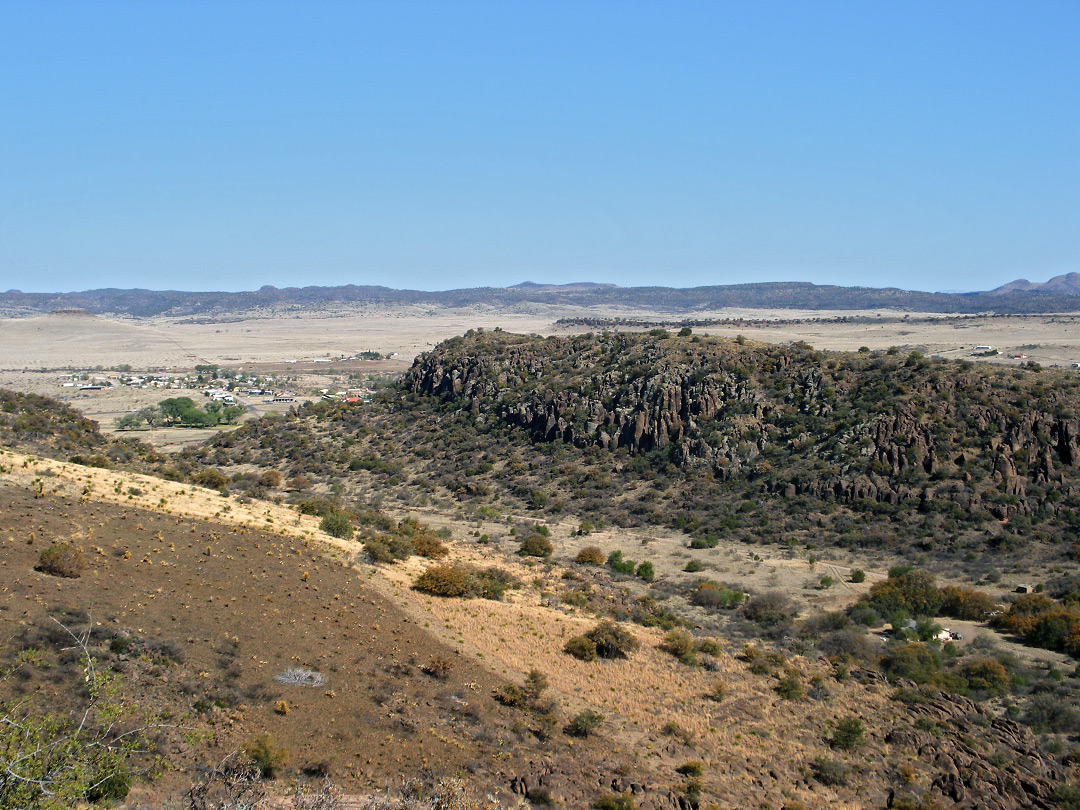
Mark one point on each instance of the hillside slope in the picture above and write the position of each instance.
(716, 437)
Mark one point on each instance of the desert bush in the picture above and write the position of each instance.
(680, 643)
(388, 548)
(271, 479)
(694, 566)
(673, 729)
(986, 676)
(645, 571)
(612, 641)
(299, 483)
(337, 524)
(584, 723)
(718, 692)
(770, 609)
(319, 507)
(857, 575)
(536, 545)
(848, 733)
(438, 667)
(848, 645)
(830, 772)
(1046, 712)
(446, 580)
(527, 696)
(689, 769)
(713, 595)
(615, 801)
(62, 560)
(581, 648)
(212, 479)
(912, 660)
(590, 555)
(492, 582)
(709, 646)
(790, 686)
(267, 757)
(429, 545)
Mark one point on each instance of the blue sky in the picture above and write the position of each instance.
(430, 145)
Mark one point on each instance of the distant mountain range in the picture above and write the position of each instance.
(1067, 284)
(1059, 294)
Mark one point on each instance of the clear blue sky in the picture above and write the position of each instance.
(227, 145)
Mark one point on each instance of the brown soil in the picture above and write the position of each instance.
(254, 606)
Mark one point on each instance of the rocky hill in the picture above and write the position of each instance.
(211, 587)
(880, 432)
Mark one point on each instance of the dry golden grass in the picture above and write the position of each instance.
(739, 740)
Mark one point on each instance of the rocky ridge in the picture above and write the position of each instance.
(848, 428)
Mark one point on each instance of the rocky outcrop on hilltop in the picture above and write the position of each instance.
(843, 428)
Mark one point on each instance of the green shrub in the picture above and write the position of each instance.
(612, 641)
(590, 555)
(388, 548)
(709, 646)
(848, 733)
(694, 566)
(715, 596)
(337, 524)
(1067, 797)
(617, 564)
(689, 769)
(536, 545)
(858, 575)
(790, 687)
(266, 756)
(912, 660)
(680, 643)
(62, 560)
(645, 571)
(582, 648)
(584, 723)
(492, 582)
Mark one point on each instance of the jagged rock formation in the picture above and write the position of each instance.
(842, 428)
(1020, 776)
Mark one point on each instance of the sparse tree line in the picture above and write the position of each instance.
(180, 412)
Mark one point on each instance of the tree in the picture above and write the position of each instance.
(912, 592)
